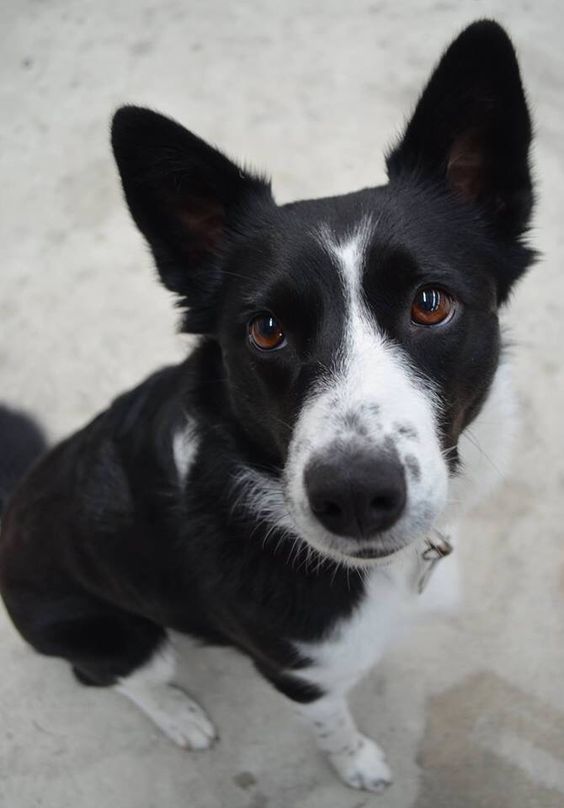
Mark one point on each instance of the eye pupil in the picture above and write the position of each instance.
(431, 306)
(267, 326)
(265, 332)
(430, 299)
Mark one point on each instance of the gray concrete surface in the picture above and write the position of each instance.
(470, 709)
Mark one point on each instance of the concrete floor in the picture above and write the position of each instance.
(471, 708)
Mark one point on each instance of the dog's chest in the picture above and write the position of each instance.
(356, 644)
(390, 605)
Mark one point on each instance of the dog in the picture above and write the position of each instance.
(290, 487)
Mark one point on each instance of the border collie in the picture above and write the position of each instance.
(288, 489)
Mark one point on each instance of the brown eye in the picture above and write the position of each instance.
(431, 306)
(265, 333)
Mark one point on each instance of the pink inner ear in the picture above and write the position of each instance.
(466, 169)
(204, 224)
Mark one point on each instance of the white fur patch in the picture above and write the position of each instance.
(356, 644)
(184, 449)
(179, 717)
(262, 495)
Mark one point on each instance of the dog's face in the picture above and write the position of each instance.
(358, 338)
(359, 334)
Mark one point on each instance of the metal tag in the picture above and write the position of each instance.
(437, 548)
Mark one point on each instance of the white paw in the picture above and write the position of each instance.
(178, 716)
(362, 765)
(185, 723)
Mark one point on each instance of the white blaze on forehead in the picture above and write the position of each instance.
(349, 256)
(370, 367)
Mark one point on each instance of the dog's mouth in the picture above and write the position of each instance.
(373, 553)
(370, 554)
(378, 550)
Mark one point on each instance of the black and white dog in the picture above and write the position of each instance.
(288, 488)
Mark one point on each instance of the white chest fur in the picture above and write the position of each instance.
(389, 606)
(356, 644)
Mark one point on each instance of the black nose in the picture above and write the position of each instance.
(357, 495)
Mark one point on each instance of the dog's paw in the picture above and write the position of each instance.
(362, 765)
(178, 716)
(184, 721)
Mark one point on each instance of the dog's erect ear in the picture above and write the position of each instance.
(184, 196)
(471, 129)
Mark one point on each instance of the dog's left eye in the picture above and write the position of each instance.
(432, 306)
(265, 333)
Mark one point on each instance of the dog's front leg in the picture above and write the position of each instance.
(358, 760)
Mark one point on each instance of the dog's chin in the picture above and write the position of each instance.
(352, 554)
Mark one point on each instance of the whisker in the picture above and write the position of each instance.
(474, 441)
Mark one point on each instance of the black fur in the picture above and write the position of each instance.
(102, 547)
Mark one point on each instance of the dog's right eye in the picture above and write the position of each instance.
(265, 333)
(432, 306)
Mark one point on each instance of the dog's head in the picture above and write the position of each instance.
(359, 335)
